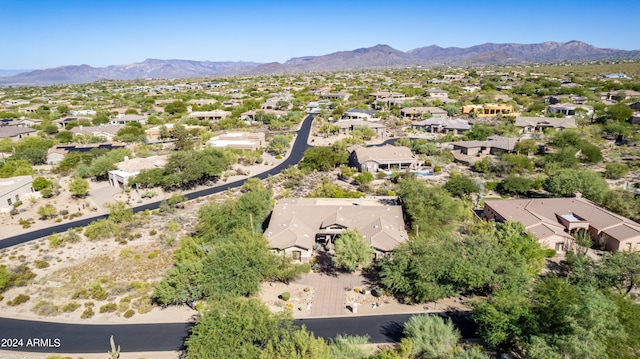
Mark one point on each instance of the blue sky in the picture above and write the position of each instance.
(46, 33)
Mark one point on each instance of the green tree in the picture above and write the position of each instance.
(566, 182)
(46, 212)
(279, 145)
(349, 347)
(619, 112)
(236, 268)
(485, 165)
(503, 319)
(79, 187)
(101, 166)
(235, 328)
(515, 185)
(352, 252)
(363, 177)
(431, 336)
(479, 132)
(176, 107)
(296, 344)
(119, 212)
(183, 140)
(363, 132)
(64, 136)
(461, 185)
(526, 147)
(323, 158)
(428, 207)
(615, 170)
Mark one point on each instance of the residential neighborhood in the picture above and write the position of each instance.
(423, 191)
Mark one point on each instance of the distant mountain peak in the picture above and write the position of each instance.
(377, 56)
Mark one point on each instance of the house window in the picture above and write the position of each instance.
(559, 247)
(627, 247)
(296, 255)
(9, 201)
(17, 198)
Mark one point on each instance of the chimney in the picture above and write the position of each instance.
(577, 195)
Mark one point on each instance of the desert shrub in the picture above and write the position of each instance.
(129, 313)
(41, 263)
(285, 296)
(19, 299)
(143, 305)
(20, 276)
(153, 254)
(55, 240)
(126, 252)
(80, 294)
(88, 313)
(109, 308)
(25, 223)
(70, 307)
(46, 309)
(153, 232)
(125, 302)
(97, 292)
(101, 229)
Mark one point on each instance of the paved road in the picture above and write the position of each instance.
(55, 338)
(297, 152)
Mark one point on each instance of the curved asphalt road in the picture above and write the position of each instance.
(296, 155)
(52, 338)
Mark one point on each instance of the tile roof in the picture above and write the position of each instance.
(296, 221)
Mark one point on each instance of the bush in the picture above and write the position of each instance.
(153, 254)
(549, 253)
(55, 240)
(88, 313)
(17, 204)
(109, 308)
(41, 263)
(19, 299)
(97, 292)
(153, 232)
(129, 313)
(25, 223)
(80, 294)
(20, 276)
(70, 307)
(46, 309)
(437, 169)
(285, 296)
(101, 229)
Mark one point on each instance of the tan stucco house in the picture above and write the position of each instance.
(297, 225)
(552, 220)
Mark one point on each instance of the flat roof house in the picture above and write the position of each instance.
(14, 189)
(552, 220)
(238, 140)
(298, 224)
(488, 110)
(130, 167)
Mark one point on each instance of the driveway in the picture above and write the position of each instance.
(329, 299)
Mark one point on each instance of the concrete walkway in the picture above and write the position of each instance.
(329, 298)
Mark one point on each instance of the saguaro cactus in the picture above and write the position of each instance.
(115, 353)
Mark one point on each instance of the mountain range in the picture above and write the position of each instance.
(379, 56)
